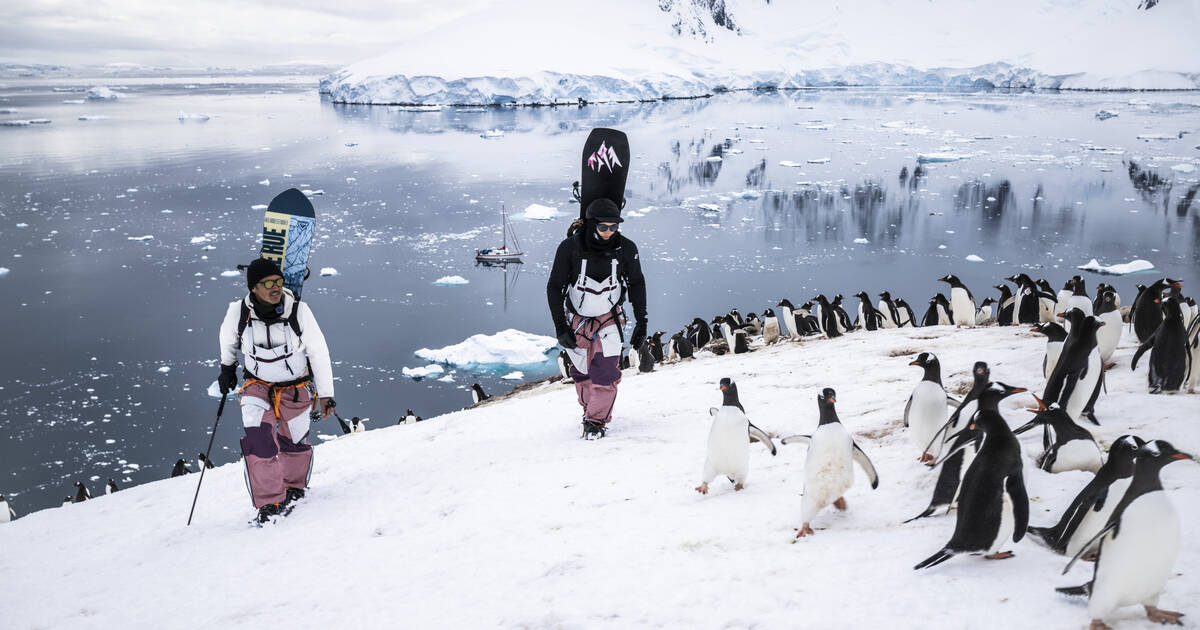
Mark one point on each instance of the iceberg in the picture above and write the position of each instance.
(451, 281)
(103, 93)
(1117, 270)
(974, 258)
(419, 373)
(328, 271)
(539, 212)
(507, 347)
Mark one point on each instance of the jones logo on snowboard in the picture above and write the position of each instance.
(605, 156)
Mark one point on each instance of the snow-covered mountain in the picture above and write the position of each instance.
(500, 516)
(546, 51)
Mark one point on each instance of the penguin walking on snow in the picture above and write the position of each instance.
(111, 487)
(1106, 309)
(1065, 445)
(788, 324)
(180, 468)
(829, 319)
(1170, 356)
(962, 303)
(926, 410)
(7, 514)
(1090, 509)
(81, 492)
(1076, 376)
(1006, 306)
(729, 440)
(829, 467)
(1139, 544)
(907, 318)
(477, 393)
(564, 366)
(770, 329)
(891, 316)
(869, 317)
(993, 506)
(1055, 336)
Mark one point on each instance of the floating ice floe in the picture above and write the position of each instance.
(1117, 270)
(974, 258)
(4, 271)
(265, 182)
(214, 390)
(7, 110)
(147, 237)
(941, 156)
(351, 144)
(259, 206)
(74, 101)
(1184, 168)
(26, 123)
(451, 281)
(492, 133)
(422, 372)
(197, 240)
(230, 273)
(103, 93)
(164, 369)
(183, 117)
(538, 212)
(93, 117)
(861, 241)
(791, 164)
(1159, 136)
(328, 271)
(507, 347)
(313, 193)
(1105, 114)
(820, 160)
(514, 376)
(709, 207)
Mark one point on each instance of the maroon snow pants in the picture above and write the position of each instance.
(595, 364)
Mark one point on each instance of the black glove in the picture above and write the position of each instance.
(227, 381)
(639, 334)
(566, 338)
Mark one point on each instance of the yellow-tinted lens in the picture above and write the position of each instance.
(271, 284)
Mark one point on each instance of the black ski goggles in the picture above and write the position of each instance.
(271, 284)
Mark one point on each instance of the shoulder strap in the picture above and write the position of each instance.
(294, 319)
(243, 321)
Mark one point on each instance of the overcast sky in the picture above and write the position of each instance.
(241, 33)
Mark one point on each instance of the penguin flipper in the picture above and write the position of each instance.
(1015, 486)
(952, 401)
(1146, 345)
(797, 439)
(1047, 459)
(762, 436)
(1112, 525)
(941, 556)
(1083, 590)
(907, 407)
(865, 462)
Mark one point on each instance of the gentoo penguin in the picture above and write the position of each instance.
(1061, 299)
(477, 394)
(7, 514)
(891, 316)
(869, 317)
(1065, 445)
(699, 334)
(926, 411)
(729, 440)
(906, 314)
(1006, 309)
(753, 324)
(985, 311)
(1194, 353)
(68, 501)
(1090, 509)
(1146, 312)
(770, 329)
(1026, 299)
(564, 365)
(1077, 374)
(358, 425)
(681, 348)
(111, 487)
(1170, 356)
(656, 346)
(829, 319)
(1193, 311)
(645, 358)
(1106, 309)
(737, 318)
(1139, 544)
(930, 318)
(962, 303)
(1047, 303)
(1079, 298)
(955, 464)
(202, 461)
(843, 318)
(808, 323)
(788, 324)
(943, 310)
(828, 469)
(81, 492)
(180, 468)
(737, 338)
(410, 417)
(993, 506)
(1055, 336)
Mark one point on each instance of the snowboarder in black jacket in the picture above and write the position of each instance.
(595, 270)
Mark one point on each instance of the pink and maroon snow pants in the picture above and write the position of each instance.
(595, 364)
(276, 449)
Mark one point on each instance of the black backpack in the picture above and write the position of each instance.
(293, 320)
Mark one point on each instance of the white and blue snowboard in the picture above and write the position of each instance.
(288, 232)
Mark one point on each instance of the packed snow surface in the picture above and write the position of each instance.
(535, 52)
(451, 281)
(505, 503)
(507, 347)
(1117, 270)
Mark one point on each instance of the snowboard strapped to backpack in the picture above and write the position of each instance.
(604, 170)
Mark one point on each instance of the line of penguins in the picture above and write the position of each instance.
(1122, 520)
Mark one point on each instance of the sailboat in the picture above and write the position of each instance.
(504, 253)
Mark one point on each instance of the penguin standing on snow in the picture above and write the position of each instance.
(1048, 302)
(180, 468)
(564, 362)
(1055, 336)
(752, 325)
(1139, 544)
(1065, 445)
(1106, 310)
(1076, 376)
(891, 316)
(788, 324)
(699, 334)
(477, 394)
(81, 492)
(938, 313)
(843, 318)
(111, 487)
(926, 410)
(770, 329)
(358, 425)
(984, 312)
(993, 506)
(869, 317)
(68, 501)
(829, 319)
(1006, 306)
(656, 346)
(202, 461)
(956, 463)
(962, 303)
(1170, 356)
(1061, 299)
(1079, 298)
(1089, 510)
(829, 467)
(681, 348)
(906, 314)
(1029, 298)
(729, 440)
(7, 514)
(809, 324)
(410, 417)
(645, 358)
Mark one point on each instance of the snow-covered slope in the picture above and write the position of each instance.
(499, 516)
(545, 51)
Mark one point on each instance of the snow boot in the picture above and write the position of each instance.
(293, 495)
(593, 430)
(267, 512)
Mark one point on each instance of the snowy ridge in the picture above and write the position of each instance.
(505, 505)
(536, 52)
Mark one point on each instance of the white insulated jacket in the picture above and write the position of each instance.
(275, 353)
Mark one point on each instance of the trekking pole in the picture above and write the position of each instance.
(207, 454)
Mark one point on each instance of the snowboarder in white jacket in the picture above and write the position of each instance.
(287, 375)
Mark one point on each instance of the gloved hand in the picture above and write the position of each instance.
(566, 338)
(227, 381)
(639, 334)
(326, 404)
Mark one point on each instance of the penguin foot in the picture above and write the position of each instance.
(1090, 556)
(1164, 616)
(702, 488)
(739, 486)
(1110, 365)
(839, 504)
(1000, 555)
(926, 459)
(805, 530)
(1099, 625)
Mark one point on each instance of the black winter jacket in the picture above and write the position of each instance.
(599, 254)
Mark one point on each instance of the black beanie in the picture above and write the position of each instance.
(259, 269)
(603, 209)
